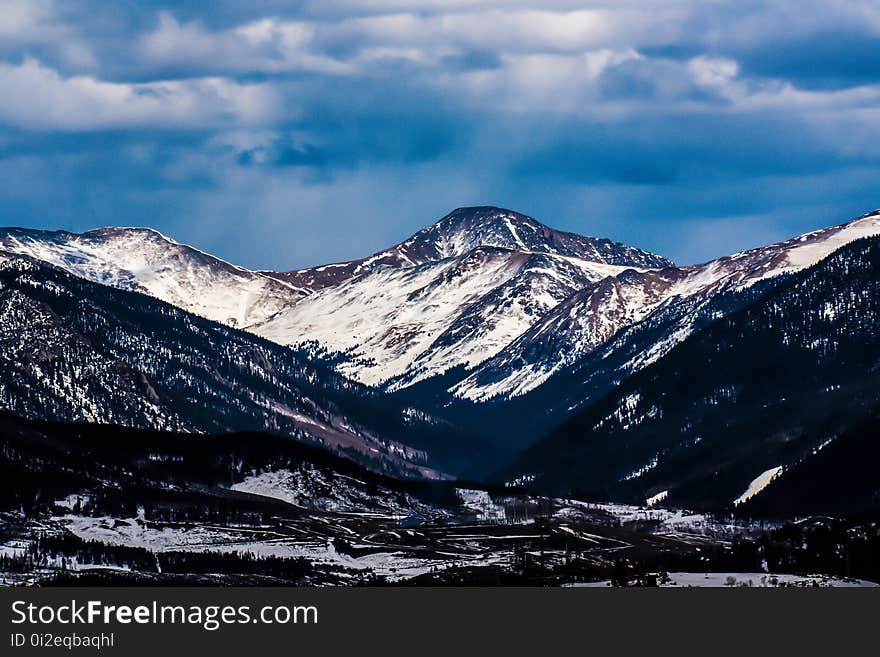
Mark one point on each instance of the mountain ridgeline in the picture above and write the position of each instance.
(623, 376)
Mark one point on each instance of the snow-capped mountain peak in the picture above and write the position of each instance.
(144, 260)
(464, 229)
(452, 295)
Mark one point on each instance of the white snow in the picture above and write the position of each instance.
(820, 244)
(734, 580)
(146, 261)
(133, 532)
(385, 318)
(758, 484)
(311, 488)
(387, 322)
(638, 472)
(482, 503)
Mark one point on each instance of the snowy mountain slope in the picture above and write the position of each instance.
(324, 489)
(501, 315)
(465, 229)
(592, 316)
(76, 351)
(452, 295)
(785, 383)
(143, 260)
(410, 323)
(94, 389)
(573, 328)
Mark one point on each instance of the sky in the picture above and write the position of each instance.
(289, 134)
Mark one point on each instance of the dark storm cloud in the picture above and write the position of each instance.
(824, 60)
(473, 60)
(674, 150)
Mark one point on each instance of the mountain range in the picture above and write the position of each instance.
(485, 334)
(452, 295)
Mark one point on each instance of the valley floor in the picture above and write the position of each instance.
(487, 539)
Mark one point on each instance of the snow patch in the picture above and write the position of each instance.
(758, 484)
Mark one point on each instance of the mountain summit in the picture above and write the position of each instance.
(146, 261)
(466, 229)
(452, 295)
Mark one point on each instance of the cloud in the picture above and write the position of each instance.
(35, 25)
(370, 117)
(39, 98)
(27, 20)
(262, 46)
